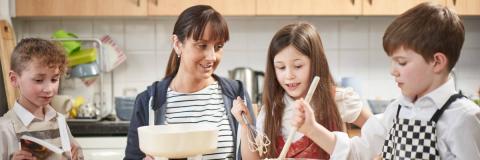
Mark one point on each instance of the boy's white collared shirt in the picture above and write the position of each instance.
(457, 129)
(26, 117)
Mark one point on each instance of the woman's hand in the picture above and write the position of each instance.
(238, 108)
(305, 118)
(23, 155)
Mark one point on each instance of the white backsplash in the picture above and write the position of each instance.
(353, 46)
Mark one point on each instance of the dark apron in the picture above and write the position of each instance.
(414, 139)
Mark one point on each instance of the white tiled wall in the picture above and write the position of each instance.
(353, 46)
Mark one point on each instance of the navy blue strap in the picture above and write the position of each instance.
(398, 110)
(450, 100)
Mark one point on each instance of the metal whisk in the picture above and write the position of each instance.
(257, 141)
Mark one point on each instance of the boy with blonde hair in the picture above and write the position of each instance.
(36, 68)
(430, 120)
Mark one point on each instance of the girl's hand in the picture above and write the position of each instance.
(305, 118)
(23, 155)
(237, 109)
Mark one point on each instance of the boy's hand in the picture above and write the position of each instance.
(23, 155)
(238, 108)
(148, 158)
(76, 152)
(305, 118)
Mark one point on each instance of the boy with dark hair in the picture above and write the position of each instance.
(36, 68)
(430, 120)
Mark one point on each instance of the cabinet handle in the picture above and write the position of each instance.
(138, 3)
(353, 2)
(370, 1)
(156, 2)
(454, 2)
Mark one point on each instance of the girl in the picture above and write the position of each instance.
(295, 56)
(190, 92)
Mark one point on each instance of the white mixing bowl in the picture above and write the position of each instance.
(178, 140)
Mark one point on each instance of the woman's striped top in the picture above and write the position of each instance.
(204, 106)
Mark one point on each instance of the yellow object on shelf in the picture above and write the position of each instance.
(82, 56)
(79, 101)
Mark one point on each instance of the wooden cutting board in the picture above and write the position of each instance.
(7, 43)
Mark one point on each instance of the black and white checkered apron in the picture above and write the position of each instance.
(414, 139)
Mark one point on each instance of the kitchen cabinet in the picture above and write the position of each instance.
(309, 7)
(31, 8)
(391, 7)
(54, 8)
(465, 7)
(120, 7)
(28, 8)
(225, 7)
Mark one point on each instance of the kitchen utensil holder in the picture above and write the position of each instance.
(99, 95)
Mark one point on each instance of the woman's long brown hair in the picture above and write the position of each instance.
(191, 24)
(305, 39)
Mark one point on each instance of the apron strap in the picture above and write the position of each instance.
(64, 138)
(450, 100)
(398, 110)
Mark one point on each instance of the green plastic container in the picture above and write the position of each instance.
(70, 46)
(82, 56)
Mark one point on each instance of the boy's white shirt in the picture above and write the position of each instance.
(457, 129)
(26, 117)
(8, 135)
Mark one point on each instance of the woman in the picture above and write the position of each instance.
(190, 92)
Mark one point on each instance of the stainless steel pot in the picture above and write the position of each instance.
(252, 81)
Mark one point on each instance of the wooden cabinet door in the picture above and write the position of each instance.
(80, 8)
(225, 7)
(54, 8)
(465, 7)
(309, 7)
(391, 7)
(121, 7)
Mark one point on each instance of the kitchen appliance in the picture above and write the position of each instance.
(252, 81)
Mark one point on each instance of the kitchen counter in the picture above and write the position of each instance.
(103, 148)
(99, 128)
